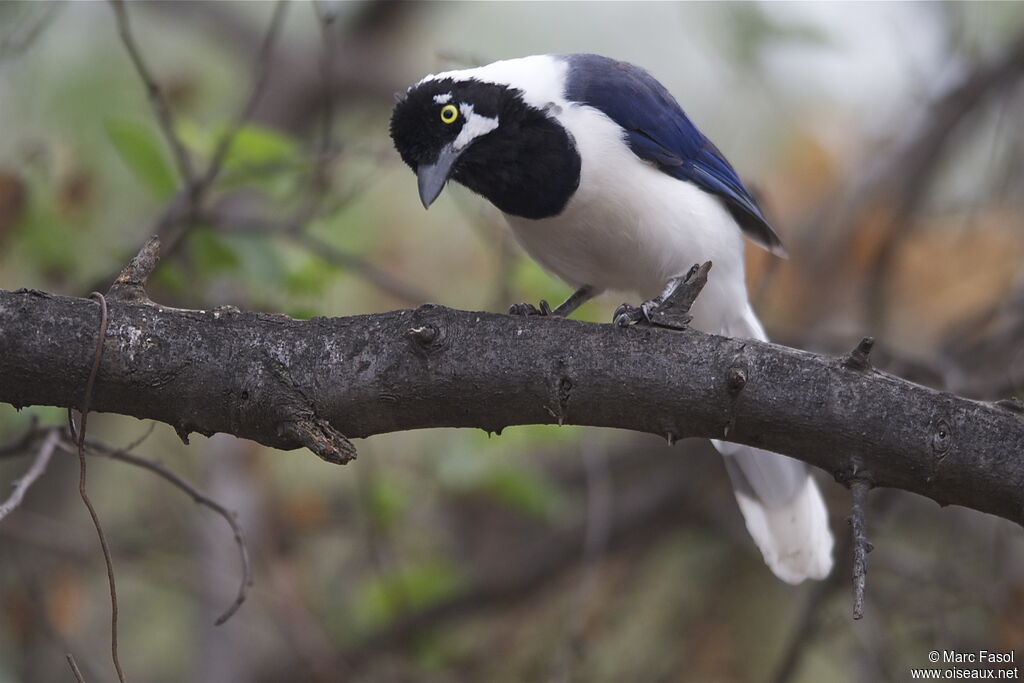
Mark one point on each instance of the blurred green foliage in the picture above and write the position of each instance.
(799, 96)
(140, 148)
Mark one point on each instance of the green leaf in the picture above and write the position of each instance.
(386, 501)
(522, 490)
(196, 139)
(142, 152)
(382, 598)
(311, 277)
(210, 253)
(169, 276)
(258, 145)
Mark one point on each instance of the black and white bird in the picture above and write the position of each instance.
(607, 184)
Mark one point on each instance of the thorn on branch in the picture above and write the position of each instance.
(736, 379)
(859, 358)
(183, 432)
(861, 547)
(319, 436)
(130, 285)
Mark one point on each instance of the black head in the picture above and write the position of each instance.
(484, 136)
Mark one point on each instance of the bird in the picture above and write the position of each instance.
(607, 184)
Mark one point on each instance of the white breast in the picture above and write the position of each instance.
(630, 227)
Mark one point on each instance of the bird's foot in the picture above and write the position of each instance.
(626, 314)
(530, 309)
(669, 309)
(651, 312)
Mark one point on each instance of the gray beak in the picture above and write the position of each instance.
(431, 178)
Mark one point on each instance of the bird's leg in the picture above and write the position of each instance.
(671, 308)
(575, 300)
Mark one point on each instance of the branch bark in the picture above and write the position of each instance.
(289, 383)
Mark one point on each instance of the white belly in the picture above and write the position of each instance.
(629, 227)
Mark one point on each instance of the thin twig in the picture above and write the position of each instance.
(182, 211)
(42, 459)
(160, 470)
(859, 488)
(18, 42)
(291, 229)
(74, 667)
(266, 51)
(20, 444)
(139, 441)
(86, 401)
(373, 275)
(156, 98)
(326, 19)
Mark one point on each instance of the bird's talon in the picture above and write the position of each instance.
(648, 308)
(625, 315)
(525, 309)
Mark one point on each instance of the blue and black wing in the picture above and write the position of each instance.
(657, 130)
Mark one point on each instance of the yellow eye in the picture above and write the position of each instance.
(449, 113)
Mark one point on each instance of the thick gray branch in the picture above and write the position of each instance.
(286, 383)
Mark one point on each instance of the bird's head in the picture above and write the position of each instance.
(490, 135)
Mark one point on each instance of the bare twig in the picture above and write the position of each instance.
(80, 439)
(123, 455)
(381, 279)
(19, 444)
(17, 42)
(292, 230)
(328, 34)
(21, 486)
(259, 84)
(156, 98)
(140, 440)
(74, 667)
(182, 211)
(859, 488)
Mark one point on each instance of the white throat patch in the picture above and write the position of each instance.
(475, 126)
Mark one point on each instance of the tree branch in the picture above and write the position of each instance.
(276, 380)
(35, 471)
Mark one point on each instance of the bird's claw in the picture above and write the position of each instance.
(529, 309)
(657, 311)
(626, 315)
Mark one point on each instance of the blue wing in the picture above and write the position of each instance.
(657, 130)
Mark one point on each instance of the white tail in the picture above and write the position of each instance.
(780, 502)
(783, 509)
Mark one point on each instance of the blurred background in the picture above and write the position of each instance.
(884, 140)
